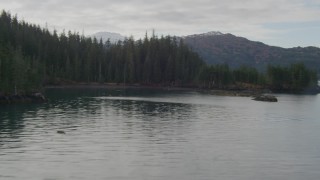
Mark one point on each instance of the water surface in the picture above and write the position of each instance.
(159, 134)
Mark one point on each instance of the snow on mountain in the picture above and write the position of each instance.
(105, 36)
(211, 33)
(218, 48)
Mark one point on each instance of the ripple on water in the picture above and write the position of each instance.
(160, 135)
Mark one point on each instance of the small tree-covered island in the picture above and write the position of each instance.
(32, 57)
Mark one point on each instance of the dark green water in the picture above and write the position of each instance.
(160, 135)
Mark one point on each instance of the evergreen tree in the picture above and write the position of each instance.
(31, 56)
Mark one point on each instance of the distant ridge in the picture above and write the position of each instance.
(105, 36)
(216, 48)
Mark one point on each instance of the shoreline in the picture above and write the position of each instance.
(228, 91)
(238, 91)
(216, 91)
(117, 86)
(256, 94)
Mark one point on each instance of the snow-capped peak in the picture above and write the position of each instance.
(113, 37)
(211, 33)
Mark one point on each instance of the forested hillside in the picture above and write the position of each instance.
(31, 56)
(218, 48)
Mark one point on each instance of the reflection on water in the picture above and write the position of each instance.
(159, 134)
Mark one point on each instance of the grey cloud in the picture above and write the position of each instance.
(178, 17)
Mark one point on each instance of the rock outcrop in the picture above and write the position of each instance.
(32, 98)
(267, 98)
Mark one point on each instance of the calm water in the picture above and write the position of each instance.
(160, 135)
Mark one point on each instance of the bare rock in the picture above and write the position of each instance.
(267, 98)
(61, 132)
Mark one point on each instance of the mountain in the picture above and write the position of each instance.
(105, 36)
(216, 48)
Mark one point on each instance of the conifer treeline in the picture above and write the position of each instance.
(287, 79)
(31, 56)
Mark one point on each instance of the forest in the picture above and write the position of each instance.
(295, 78)
(32, 57)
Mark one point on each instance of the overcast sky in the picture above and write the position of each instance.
(286, 23)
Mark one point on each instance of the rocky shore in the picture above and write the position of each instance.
(32, 98)
(258, 94)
